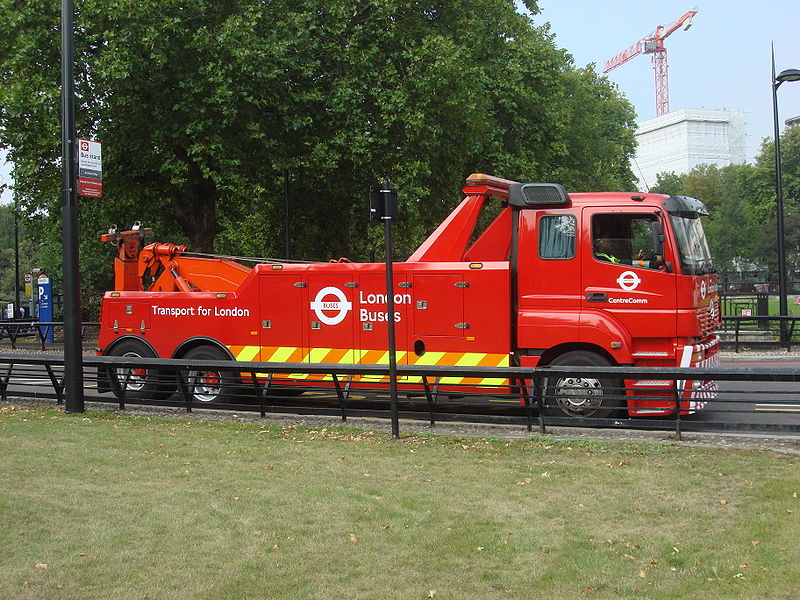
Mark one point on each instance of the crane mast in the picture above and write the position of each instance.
(653, 44)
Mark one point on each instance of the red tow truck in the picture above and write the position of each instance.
(554, 279)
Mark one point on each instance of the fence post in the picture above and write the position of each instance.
(677, 409)
(184, 389)
(539, 390)
(340, 395)
(4, 382)
(431, 398)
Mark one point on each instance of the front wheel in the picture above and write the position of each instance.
(211, 385)
(581, 397)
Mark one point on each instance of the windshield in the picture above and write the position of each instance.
(692, 244)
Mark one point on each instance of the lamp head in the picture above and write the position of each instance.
(788, 75)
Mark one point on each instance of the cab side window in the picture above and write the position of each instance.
(557, 237)
(626, 239)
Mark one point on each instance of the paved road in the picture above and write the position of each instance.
(748, 402)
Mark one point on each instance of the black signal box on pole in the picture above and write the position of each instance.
(382, 203)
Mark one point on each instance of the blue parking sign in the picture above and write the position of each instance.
(46, 305)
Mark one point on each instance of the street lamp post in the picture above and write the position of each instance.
(783, 76)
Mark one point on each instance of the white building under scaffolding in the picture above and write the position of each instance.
(681, 140)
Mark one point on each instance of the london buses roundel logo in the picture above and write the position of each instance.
(628, 281)
(321, 305)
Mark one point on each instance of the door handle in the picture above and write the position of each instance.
(597, 297)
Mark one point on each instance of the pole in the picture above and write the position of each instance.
(286, 220)
(387, 229)
(16, 260)
(782, 301)
(383, 207)
(73, 359)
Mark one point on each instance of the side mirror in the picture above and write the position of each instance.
(658, 237)
(657, 231)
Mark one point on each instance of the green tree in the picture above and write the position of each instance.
(204, 106)
(668, 183)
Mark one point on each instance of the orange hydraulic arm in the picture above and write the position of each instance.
(129, 247)
(171, 269)
(182, 273)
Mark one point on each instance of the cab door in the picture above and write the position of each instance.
(625, 285)
(548, 268)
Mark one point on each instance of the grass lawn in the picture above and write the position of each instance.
(98, 506)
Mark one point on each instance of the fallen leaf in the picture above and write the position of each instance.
(723, 502)
(353, 538)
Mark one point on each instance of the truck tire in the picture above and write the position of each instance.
(582, 397)
(211, 385)
(136, 383)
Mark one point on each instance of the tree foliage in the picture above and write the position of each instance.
(206, 108)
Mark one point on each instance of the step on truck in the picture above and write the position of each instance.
(580, 279)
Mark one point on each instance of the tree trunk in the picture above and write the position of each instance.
(196, 213)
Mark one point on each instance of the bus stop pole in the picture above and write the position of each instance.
(73, 359)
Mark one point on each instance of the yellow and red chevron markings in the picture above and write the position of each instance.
(284, 354)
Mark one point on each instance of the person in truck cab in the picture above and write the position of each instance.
(604, 250)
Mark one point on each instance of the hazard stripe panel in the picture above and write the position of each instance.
(374, 357)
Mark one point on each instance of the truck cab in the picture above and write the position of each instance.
(611, 279)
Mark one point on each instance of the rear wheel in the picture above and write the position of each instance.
(136, 382)
(211, 385)
(583, 396)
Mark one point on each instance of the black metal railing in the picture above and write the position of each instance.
(535, 398)
(752, 331)
(762, 331)
(42, 335)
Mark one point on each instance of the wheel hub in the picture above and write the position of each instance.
(579, 396)
(205, 385)
(132, 379)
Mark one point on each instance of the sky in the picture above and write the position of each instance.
(722, 62)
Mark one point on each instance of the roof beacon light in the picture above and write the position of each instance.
(491, 180)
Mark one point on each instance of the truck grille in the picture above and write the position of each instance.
(708, 317)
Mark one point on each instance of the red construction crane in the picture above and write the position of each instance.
(654, 44)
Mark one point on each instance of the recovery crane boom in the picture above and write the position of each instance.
(168, 266)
